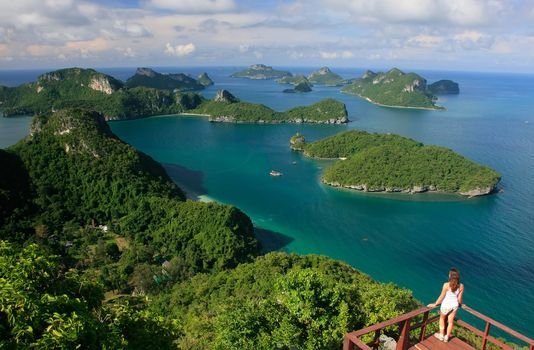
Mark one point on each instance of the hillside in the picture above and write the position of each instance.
(444, 87)
(100, 250)
(299, 88)
(392, 163)
(231, 110)
(394, 89)
(261, 71)
(324, 76)
(205, 79)
(87, 88)
(295, 79)
(147, 77)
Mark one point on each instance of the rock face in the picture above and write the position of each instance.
(225, 96)
(478, 192)
(415, 85)
(102, 84)
(297, 142)
(444, 87)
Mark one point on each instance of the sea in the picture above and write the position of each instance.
(408, 240)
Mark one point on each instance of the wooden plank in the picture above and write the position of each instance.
(391, 322)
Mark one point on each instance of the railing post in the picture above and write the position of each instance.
(423, 326)
(404, 335)
(347, 344)
(376, 340)
(486, 333)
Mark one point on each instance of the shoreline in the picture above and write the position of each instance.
(438, 108)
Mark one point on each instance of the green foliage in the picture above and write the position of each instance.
(381, 161)
(78, 88)
(394, 88)
(260, 71)
(443, 87)
(347, 143)
(147, 77)
(328, 110)
(300, 87)
(206, 236)
(280, 300)
(204, 79)
(295, 80)
(325, 76)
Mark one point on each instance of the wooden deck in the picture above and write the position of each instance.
(433, 343)
(412, 329)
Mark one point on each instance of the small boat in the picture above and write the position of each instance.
(275, 173)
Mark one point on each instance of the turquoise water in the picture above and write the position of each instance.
(410, 240)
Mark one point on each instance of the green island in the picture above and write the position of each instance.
(100, 248)
(89, 89)
(300, 87)
(204, 79)
(444, 87)
(392, 163)
(293, 79)
(149, 78)
(393, 89)
(227, 108)
(261, 72)
(324, 76)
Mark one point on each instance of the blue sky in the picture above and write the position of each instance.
(490, 35)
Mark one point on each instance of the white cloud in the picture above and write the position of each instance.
(425, 40)
(179, 50)
(194, 6)
(336, 54)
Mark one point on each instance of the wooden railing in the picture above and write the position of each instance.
(404, 322)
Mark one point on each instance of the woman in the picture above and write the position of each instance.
(450, 299)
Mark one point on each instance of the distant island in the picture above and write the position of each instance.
(227, 108)
(205, 80)
(392, 163)
(89, 89)
(324, 76)
(300, 87)
(293, 79)
(397, 89)
(444, 87)
(147, 77)
(261, 71)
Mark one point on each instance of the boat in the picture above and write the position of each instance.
(275, 173)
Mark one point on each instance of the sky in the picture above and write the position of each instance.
(476, 35)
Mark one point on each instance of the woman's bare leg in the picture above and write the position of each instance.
(442, 317)
(450, 320)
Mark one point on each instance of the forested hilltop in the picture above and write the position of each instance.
(225, 107)
(392, 163)
(89, 89)
(99, 249)
(398, 89)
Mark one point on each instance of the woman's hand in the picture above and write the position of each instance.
(431, 305)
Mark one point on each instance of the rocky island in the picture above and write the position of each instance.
(261, 71)
(89, 89)
(393, 89)
(392, 163)
(204, 79)
(324, 76)
(300, 87)
(147, 77)
(444, 87)
(225, 107)
(294, 79)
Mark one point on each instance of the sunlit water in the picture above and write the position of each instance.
(410, 240)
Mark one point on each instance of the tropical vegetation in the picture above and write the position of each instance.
(387, 162)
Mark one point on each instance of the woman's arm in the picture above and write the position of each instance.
(461, 294)
(441, 296)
